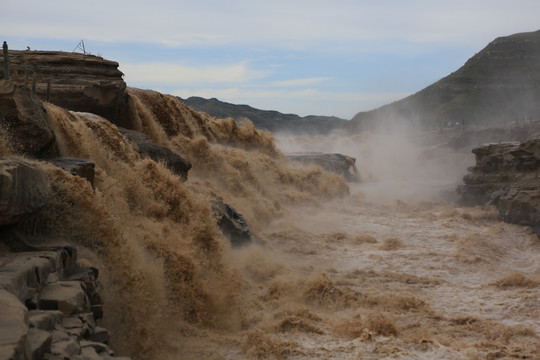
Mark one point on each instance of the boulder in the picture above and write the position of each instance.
(24, 189)
(337, 163)
(14, 327)
(506, 176)
(77, 167)
(147, 148)
(24, 119)
(231, 223)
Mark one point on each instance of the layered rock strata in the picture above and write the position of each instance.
(506, 175)
(79, 82)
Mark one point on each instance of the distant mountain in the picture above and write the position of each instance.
(273, 121)
(500, 84)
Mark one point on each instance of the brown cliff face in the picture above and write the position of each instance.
(507, 176)
(78, 82)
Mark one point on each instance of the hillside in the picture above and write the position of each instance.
(500, 84)
(273, 121)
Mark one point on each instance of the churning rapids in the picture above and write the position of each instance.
(388, 267)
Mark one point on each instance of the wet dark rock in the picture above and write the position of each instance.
(231, 223)
(147, 148)
(336, 163)
(23, 189)
(15, 240)
(506, 176)
(77, 167)
(24, 119)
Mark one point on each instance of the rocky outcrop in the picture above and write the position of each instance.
(231, 223)
(79, 82)
(340, 164)
(506, 175)
(24, 119)
(147, 148)
(48, 308)
(468, 139)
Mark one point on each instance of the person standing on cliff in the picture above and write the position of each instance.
(6, 61)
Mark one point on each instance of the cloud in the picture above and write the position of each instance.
(300, 82)
(167, 73)
(280, 23)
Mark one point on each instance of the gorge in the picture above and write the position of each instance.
(389, 266)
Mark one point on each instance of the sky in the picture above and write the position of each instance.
(333, 58)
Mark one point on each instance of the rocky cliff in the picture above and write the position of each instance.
(75, 81)
(270, 120)
(506, 175)
(499, 84)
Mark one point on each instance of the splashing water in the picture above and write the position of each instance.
(385, 268)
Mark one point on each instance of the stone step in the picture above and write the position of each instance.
(45, 319)
(66, 296)
(67, 348)
(100, 348)
(24, 274)
(100, 335)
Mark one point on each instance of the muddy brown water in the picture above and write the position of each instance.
(389, 267)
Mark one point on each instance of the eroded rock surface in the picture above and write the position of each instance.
(24, 119)
(507, 176)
